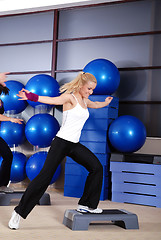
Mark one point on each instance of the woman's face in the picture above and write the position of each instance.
(87, 89)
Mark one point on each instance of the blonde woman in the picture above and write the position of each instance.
(74, 99)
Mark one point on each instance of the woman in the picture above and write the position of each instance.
(74, 99)
(5, 151)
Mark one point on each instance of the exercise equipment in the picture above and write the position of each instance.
(41, 129)
(43, 85)
(12, 133)
(80, 221)
(11, 102)
(127, 133)
(35, 164)
(107, 75)
(18, 171)
(5, 198)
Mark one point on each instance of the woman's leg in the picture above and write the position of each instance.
(39, 184)
(5, 169)
(93, 185)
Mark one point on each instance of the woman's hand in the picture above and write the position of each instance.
(108, 100)
(21, 94)
(16, 120)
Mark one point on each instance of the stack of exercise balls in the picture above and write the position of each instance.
(14, 133)
(39, 130)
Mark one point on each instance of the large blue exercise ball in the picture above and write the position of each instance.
(18, 167)
(12, 133)
(35, 164)
(127, 134)
(43, 85)
(107, 75)
(41, 129)
(11, 102)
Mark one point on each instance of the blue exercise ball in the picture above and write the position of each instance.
(107, 75)
(18, 167)
(127, 134)
(43, 85)
(41, 129)
(11, 102)
(12, 133)
(35, 163)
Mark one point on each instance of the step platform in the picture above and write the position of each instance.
(5, 198)
(80, 221)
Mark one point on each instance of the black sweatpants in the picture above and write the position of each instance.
(59, 149)
(5, 168)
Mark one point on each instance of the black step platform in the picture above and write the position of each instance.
(5, 198)
(80, 221)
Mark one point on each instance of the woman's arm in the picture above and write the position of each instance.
(10, 119)
(96, 105)
(60, 100)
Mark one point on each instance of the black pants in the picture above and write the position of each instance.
(5, 168)
(59, 149)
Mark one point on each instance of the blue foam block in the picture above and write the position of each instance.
(136, 188)
(72, 191)
(136, 199)
(77, 169)
(97, 123)
(103, 158)
(97, 147)
(105, 112)
(135, 167)
(136, 178)
(94, 135)
(79, 180)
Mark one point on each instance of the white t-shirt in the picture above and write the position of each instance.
(73, 122)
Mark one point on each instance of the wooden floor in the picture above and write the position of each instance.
(45, 222)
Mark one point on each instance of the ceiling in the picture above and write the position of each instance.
(22, 6)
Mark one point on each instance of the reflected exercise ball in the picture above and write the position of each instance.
(12, 133)
(107, 75)
(127, 134)
(43, 85)
(11, 102)
(35, 164)
(41, 129)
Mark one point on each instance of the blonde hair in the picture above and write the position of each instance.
(81, 79)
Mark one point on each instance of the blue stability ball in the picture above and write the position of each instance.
(43, 85)
(107, 75)
(11, 102)
(41, 129)
(18, 168)
(127, 134)
(35, 164)
(12, 133)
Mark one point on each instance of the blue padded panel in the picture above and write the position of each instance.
(94, 135)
